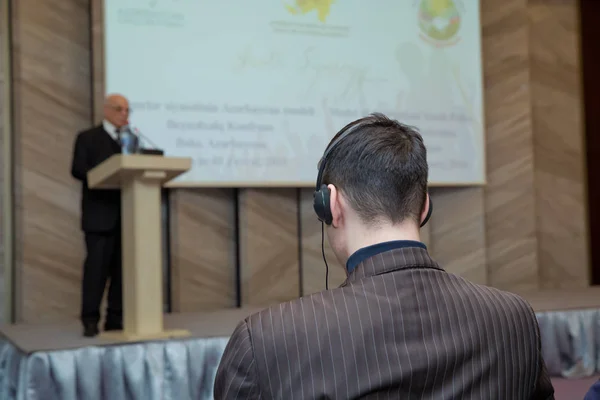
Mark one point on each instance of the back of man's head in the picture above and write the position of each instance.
(381, 169)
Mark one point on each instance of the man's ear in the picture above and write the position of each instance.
(335, 206)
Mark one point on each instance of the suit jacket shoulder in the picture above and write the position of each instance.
(507, 300)
(91, 132)
(303, 314)
(300, 330)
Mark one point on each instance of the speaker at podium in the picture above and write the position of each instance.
(140, 178)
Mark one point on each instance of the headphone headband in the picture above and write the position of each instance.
(340, 136)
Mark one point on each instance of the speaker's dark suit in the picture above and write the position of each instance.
(101, 223)
(400, 327)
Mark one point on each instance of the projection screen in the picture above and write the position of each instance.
(253, 91)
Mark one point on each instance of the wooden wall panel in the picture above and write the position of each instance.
(270, 270)
(509, 198)
(97, 28)
(203, 234)
(457, 232)
(203, 249)
(52, 103)
(559, 144)
(311, 256)
(4, 116)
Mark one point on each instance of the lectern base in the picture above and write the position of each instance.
(122, 336)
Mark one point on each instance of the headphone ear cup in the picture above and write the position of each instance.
(429, 212)
(321, 205)
(318, 205)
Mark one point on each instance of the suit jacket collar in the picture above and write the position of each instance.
(392, 260)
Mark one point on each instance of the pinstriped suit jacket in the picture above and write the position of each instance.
(400, 327)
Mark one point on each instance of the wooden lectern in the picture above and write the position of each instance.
(140, 178)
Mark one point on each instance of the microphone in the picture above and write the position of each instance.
(137, 132)
(151, 151)
(127, 140)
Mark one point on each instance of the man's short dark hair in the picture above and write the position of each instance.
(381, 168)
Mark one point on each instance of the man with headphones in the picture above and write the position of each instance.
(399, 327)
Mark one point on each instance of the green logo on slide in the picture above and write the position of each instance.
(439, 21)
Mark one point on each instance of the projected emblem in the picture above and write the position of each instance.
(301, 7)
(439, 21)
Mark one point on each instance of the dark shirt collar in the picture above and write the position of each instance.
(367, 252)
(387, 257)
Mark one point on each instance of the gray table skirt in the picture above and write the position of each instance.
(166, 370)
(185, 369)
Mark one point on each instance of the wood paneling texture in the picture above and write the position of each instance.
(51, 70)
(97, 28)
(508, 234)
(509, 198)
(457, 232)
(269, 253)
(4, 84)
(559, 144)
(203, 249)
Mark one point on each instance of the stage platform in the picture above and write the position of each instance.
(53, 361)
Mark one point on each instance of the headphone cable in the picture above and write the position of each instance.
(324, 258)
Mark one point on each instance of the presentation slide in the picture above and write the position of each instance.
(253, 91)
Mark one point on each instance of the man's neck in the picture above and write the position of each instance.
(362, 238)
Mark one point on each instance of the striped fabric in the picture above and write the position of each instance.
(400, 327)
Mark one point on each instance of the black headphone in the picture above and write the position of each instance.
(321, 202)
